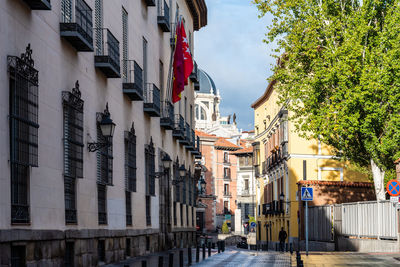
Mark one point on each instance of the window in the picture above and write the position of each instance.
(191, 116)
(150, 168)
(226, 189)
(18, 256)
(184, 186)
(186, 117)
(102, 203)
(177, 186)
(190, 191)
(144, 61)
(227, 173)
(130, 160)
(128, 206)
(73, 148)
(69, 254)
(246, 184)
(161, 77)
(125, 46)
(187, 215)
(181, 205)
(226, 158)
(101, 250)
(66, 10)
(148, 210)
(246, 210)
(175, 216)
(23, 131)
(127, 247)
(98, 24)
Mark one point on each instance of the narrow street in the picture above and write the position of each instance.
(242, 257)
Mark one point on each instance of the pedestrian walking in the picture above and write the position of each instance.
(282, 239)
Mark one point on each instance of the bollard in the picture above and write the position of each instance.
(160, 261)
(171, 260)
(287, 247)
(219, 246)
(144, 263)
(223, 245)
(190, 255)
(197, 253)
(209, 249)
(213, 245)
(180, 258)
(291, 248)
(204, 251)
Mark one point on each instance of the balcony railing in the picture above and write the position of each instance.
(167, 115)
(150, 2)
(245, 192)
(274, 159)
(106, 53)
(151, 100)
(186, 140)
(227, 194)
(38, 4)
(179, 127)
(191, 145)
(196, 151)
(132, 80)
(163, 16)
(194, 75)
(76, 25)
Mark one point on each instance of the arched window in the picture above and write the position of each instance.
(203, 115)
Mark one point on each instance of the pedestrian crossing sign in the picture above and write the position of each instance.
(307, 193)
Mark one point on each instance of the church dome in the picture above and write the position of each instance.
(207, 85)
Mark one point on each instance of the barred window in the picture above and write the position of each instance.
(23, 130)
(150, 168)
(175, 216)
(177, 186)
(102, 203)
(190, 191)
(187, 215)
(184, 200)
(128, 205)
(148, 210)
(70, 199)
(181, 205)
(130, 160)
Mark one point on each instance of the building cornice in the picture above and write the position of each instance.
(198, 9)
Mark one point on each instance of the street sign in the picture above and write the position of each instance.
(307, 193)
(393, 188)
(394, 200)
(253, 224)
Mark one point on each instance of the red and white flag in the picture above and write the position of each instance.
(187, 55)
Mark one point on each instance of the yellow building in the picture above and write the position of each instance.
(282, 159)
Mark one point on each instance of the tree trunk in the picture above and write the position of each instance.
(378, 174)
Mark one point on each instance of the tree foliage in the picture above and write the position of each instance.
(339, 64)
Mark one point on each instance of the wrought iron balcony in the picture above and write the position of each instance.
(191, 145)
(132, 80)
(76, 26)
(106, 56)
(38, 4)
(186, 140)
(163, 16)
(179, 127)
(245, 193)
(167, 115)
(151, 100)
(150, 2)
(194, 75)
(196, 151)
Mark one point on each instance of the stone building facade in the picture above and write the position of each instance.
(74, 191)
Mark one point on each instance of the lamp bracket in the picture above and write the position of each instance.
(93, 147)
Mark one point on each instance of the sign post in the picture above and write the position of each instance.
(307, 194)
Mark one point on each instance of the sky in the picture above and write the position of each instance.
(230, 49)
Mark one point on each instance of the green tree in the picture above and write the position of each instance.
(338, 72)
(225, 229)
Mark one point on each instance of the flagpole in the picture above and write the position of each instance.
(168, 95)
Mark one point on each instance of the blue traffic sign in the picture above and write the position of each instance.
(307, 193)
(253, 224)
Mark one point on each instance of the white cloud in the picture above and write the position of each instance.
(231, 50)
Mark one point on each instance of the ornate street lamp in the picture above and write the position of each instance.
(182, 174)
(166, 160)
(107, 128)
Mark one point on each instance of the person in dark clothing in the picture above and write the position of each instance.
(282, 238)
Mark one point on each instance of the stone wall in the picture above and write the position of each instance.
(48, 248)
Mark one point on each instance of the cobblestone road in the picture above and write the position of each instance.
(248, 258)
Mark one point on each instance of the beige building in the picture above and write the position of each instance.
(87, 178)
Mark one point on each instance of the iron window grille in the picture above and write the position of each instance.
(175, 216)
(187, 215)
(150, 168)
(130, 160)
(184, 186)
(181, 206)
(128, 205)
(23, 130)
(73, 148)
(104, 156)
(190, 191)
(148, 210)
(124, 42)
(102, 203)
(18, 256)
(177, 185)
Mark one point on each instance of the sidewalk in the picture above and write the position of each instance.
(152, 259)
(328, 259)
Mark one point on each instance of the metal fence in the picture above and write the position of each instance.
(374, 219)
